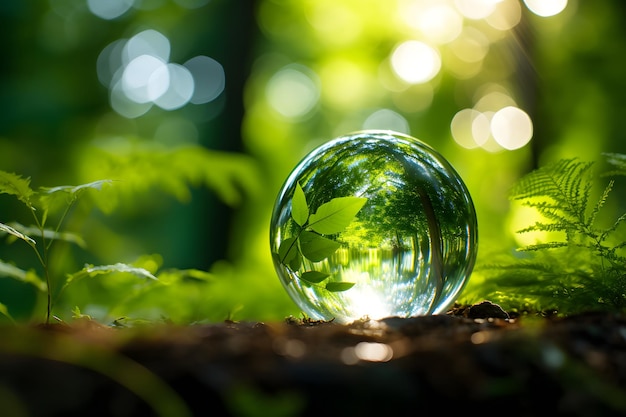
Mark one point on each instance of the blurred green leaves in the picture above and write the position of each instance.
(142, 168)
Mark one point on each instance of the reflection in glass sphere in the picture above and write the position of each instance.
(373, 224)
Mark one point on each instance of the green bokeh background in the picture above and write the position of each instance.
(195, 186)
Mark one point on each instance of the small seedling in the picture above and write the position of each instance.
(309, 242)
(40, 238)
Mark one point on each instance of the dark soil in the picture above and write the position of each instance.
(475, 359)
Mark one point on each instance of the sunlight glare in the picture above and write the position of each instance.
(415, 62)
(138, 82)
(476, 9)
(440, 23)
(511, 127)
(367, 302)
(546, 8)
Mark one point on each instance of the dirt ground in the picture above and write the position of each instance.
(475, 359)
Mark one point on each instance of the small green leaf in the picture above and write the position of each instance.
(10, 230)
(55, 198)
(288, 250)
(315, 247)
(314, 277)
(339, 286)
(73, 189)
(119, 267)
(334, 216)
(91, 271)
(299, 207)
(296, 262)
(50, 234)
(15, 185)
(30, 277)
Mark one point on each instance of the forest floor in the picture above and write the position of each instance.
(475, 359)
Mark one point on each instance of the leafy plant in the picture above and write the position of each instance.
(40, 238)
(586, 269)
(309, 242)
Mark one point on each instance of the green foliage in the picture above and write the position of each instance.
(39, 204)
(142, 168)
(331, 218)
(586, 268)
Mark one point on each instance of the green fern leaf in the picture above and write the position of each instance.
(561, 182)
(587, 269)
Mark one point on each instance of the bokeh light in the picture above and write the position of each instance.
(179, 83)
(109, 9)
(148, 42)
(508, 128)
(546, 8)
(440, 23)
(209, 78)
(141, 81)
(138, 73)
(415, 62)
(511, 128)
(476, 9)
(385, 119)
(293, 92)
(507, 15)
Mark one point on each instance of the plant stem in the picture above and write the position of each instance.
(43, 260)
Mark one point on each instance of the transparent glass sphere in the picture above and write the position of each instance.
(373, 224)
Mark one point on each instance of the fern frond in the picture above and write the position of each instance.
(615, 225)
(543, 246)
(562, 183)
(549, 180)
(598, 206)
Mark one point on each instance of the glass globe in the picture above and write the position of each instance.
(373, 224)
